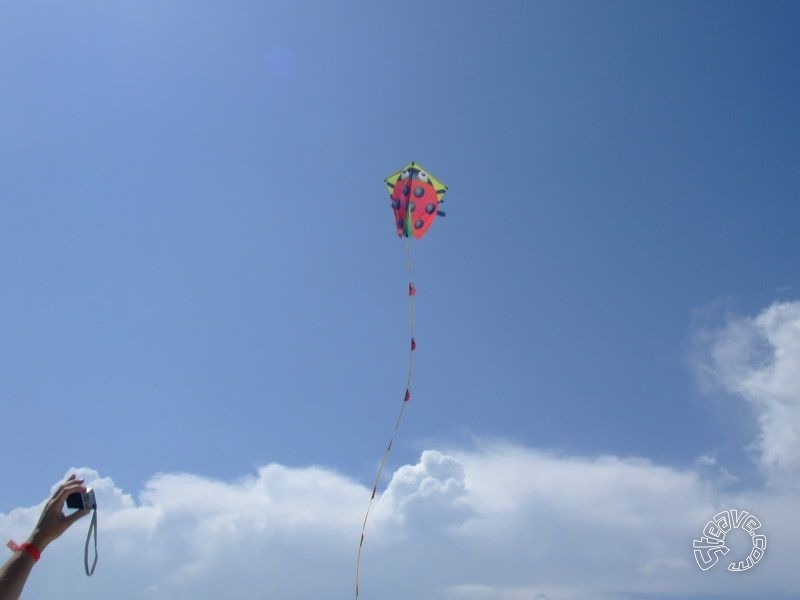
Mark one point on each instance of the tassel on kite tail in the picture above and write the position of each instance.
(406, 397)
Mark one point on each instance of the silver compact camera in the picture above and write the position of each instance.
(82, 500)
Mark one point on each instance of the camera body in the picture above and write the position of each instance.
(82, 500)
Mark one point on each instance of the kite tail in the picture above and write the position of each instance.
(406, 397)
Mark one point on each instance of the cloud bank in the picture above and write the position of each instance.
(494, 521)
(758, 359)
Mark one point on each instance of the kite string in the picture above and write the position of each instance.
(406, 397)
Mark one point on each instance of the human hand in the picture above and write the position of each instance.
(53, 521)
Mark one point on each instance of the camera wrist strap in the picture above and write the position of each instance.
(92, 529)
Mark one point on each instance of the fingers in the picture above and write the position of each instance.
(71, 480)
(72, 484)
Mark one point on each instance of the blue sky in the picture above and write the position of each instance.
(200, 274)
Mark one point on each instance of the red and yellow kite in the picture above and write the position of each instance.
(415, 196)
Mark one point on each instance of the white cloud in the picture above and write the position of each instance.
(758, 359)
(494, 522)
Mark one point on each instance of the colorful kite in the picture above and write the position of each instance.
(415, 197)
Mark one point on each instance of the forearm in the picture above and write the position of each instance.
(14, 574)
